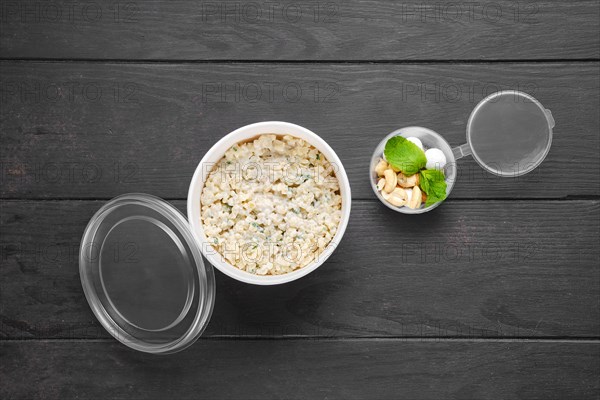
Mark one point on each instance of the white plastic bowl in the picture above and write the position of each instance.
(216, 153)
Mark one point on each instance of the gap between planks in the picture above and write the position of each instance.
(267, 61)
(428, 339)
(450, 200)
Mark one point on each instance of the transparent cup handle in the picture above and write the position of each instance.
(550, 118)
(461, 151)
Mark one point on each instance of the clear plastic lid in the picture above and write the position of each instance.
(509, 133)
(143, 274)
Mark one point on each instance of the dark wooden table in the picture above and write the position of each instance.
(495, 294)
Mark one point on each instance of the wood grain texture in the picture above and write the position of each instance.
(300, 30)
(494, 295)
(96, 130)
(301, 369)
(466, 269)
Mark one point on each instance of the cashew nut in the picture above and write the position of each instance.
(398, 197)
(390, 180)
(381, 184)
(381, 167)
(415, 200)
(408, 181)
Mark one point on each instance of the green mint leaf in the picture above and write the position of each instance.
(432, 199)
(404, 155)
(433, 183)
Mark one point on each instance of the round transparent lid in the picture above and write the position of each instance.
(509, 133)
(143, 274)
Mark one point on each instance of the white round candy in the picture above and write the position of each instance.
(435, 159)
(416, 141)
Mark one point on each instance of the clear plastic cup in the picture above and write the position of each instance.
(509, 133)
(429, 139)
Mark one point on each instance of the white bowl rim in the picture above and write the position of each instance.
(214, 257)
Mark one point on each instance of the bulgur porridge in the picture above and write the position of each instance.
(271, 205)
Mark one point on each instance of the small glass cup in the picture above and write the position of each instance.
(429, 139)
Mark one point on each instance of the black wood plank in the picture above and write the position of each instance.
(302, 369)
(300, 30)
(89, 130)
(467, 269)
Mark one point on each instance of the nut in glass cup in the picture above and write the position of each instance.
(509, 134)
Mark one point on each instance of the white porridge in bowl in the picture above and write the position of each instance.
(271, 205)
